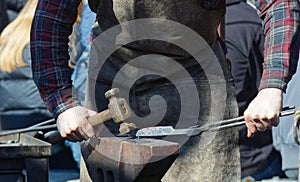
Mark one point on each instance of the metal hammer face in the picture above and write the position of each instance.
(118, 109)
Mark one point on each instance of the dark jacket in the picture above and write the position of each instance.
(20, 102)
(245, 40)
(3, 15)
(14, 7)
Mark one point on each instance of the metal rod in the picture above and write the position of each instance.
(288, 110)
(229, 125)
(43, 123)
(22, 130)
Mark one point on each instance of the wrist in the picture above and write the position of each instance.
(61, 101)
(271, 90)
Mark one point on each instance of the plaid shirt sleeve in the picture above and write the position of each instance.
(280, 23)
(50, 30)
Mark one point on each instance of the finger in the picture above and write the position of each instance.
(73, 137)
(91, 113)
(249, 134)
(260, 126)
(251, 129)
(267, 124)
(275, 121)
(73, 126)
(62, 134)
(63, 131)
(78, 135)
(82, 133)
(88, 129)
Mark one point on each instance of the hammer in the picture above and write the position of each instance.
(118, 109)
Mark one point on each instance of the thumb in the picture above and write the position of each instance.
(91, 112)
(249, 134)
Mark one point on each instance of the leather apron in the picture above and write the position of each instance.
(200, 159)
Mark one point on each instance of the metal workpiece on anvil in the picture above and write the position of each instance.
(121, 159)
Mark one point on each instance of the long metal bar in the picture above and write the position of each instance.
(289, 110)
(43, 123)
(240, 123)
(196, 130)
(23, 130)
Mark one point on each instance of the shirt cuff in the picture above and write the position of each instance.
(62, 100)
(272, 80)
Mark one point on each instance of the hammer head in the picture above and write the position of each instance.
(118, 110)
(118, 107)
(112, 92)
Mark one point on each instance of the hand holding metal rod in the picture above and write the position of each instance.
(228, 123)
(197, 130)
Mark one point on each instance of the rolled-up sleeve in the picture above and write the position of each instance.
(280, 22)
(51, 27)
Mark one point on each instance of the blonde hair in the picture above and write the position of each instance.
(15, 37)
(79, 12)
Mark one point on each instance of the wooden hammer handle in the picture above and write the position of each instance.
(100, 118)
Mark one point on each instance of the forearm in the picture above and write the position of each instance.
(280, 22)
(51, 28)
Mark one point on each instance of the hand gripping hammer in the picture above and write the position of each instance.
(118, 110)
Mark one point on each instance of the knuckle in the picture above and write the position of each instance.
(90, 134)
(69, 132)
(251, 128)
(270, 116)
(246, 114)
(73, 128)
(63, 135)
(246, 118)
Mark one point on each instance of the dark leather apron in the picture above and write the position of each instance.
(206, 158)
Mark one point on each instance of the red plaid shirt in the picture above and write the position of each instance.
(53, 24)
(280, 21)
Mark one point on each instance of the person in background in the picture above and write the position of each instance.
(245, 40)
(20, 104)
(81, 34)
(80, 49)
(9, 10)
(283, 134)
(3, 15)
(14, 7)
